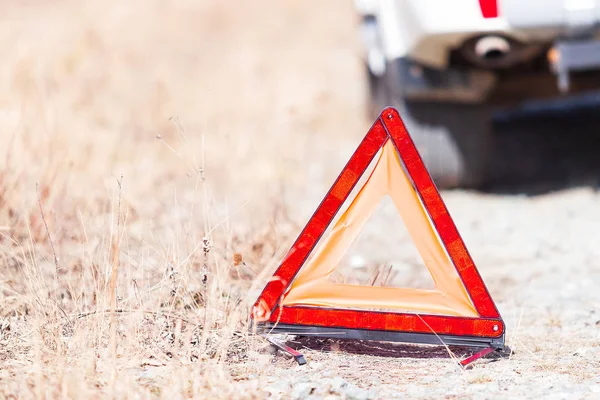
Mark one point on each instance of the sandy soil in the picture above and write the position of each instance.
(150, 141)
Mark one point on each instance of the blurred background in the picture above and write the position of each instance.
(266, 102)
(253, 94)
(282, 92)
(490, 88)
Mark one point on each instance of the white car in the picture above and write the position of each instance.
(445, 64)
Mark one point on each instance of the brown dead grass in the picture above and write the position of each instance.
(139, 153)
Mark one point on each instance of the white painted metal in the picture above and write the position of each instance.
(425, 30)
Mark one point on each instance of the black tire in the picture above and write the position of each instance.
(454, 140)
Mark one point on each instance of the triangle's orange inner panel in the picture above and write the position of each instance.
(312, 286)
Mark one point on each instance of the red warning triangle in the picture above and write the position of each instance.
(301, 300)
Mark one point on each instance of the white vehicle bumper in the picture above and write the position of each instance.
(566, 14)
(425, 29)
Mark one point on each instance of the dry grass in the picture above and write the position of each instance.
(157, 159)
(139, 153)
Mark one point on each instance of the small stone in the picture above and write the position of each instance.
(357, 262)
(278, 387)
(348, 390)
(338, 383)
(315, 365)
(580, 352)
(302, 390)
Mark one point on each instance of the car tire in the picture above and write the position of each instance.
(454, 140)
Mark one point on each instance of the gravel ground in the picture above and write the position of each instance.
(538, 256)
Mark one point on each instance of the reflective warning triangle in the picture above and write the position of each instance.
(301, 299)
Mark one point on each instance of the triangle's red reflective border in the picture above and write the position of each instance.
(388, 125)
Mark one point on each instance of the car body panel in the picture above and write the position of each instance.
(424, 30)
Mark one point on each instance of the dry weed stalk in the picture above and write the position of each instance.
(39, 199)
(115, 242)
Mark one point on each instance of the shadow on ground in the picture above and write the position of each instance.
(547, 147)
(378, 349)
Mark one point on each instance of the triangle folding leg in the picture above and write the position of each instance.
(482, 327)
